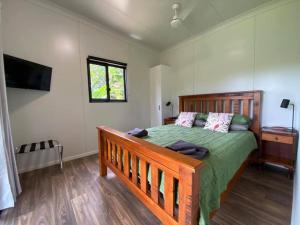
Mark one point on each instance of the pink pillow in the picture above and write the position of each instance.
(186, 119)
(219, 122)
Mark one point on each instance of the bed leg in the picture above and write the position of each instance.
(101, 154)
(189, 195)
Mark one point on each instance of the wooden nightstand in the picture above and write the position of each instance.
(279, 146)
(169, 120)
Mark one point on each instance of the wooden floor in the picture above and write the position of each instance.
(79, 196)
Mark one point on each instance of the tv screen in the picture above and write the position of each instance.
(21, 73)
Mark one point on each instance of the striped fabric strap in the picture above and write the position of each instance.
(22, 148)
(37, 146)
(51, 145)
(42, 145)
(32, 147)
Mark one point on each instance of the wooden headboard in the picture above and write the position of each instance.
(246, 103)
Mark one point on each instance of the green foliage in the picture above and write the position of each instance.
(116, 83)
(98, 82)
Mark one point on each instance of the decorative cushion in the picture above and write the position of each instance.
(219, 122)
(199, 123)
(186, 119)
(202, 116)
(240, 119)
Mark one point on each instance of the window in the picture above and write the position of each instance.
(106, 80)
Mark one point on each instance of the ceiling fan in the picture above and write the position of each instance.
(180, 13)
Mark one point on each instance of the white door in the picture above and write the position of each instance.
(155, 97)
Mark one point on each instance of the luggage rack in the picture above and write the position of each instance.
(41, 146)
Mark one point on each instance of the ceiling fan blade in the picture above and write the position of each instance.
(183, 30)
(188, 8)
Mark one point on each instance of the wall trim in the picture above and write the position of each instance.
(54, 162)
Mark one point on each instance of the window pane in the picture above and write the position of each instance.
(116, 83)
(98, 81)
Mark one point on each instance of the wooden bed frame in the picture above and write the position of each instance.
(180, 171)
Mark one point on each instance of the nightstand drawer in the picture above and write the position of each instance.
(277, 138)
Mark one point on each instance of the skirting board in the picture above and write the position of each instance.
(54, 162)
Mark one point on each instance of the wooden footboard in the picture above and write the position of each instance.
(131, 159)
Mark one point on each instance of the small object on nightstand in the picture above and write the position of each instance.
(169, 120)
(285, 104)
(279, 146)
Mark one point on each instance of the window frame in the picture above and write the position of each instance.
(106, 63)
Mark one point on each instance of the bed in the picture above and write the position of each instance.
(173, 185)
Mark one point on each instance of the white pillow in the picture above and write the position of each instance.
(186, 119)
(219, 122)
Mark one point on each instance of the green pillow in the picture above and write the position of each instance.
(202, 116)
(240, 119)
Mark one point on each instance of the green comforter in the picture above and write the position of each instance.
(226, 154)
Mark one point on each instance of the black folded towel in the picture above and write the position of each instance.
(189, 149)
(137, 132)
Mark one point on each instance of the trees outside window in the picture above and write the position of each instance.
(106, 80)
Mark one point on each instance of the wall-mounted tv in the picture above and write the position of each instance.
(20, 73)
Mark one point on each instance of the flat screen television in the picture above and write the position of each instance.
(20, 73)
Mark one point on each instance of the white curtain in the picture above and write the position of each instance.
(9, 179)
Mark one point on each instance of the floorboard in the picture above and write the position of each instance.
(79, 196)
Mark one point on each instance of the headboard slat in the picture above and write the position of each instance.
(247, 103)
(211, 105)
(227, 106)
(204, 106)
(236, 106)
(198, 106)
(219, 105)
(246, 107)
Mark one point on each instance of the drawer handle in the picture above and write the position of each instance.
(276, 138)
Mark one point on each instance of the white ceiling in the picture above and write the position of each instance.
(150, 19)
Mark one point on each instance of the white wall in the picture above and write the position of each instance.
(258, 51)
(51, 36)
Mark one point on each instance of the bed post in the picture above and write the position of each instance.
(101, 154)
(189, 195)
(257, 99)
